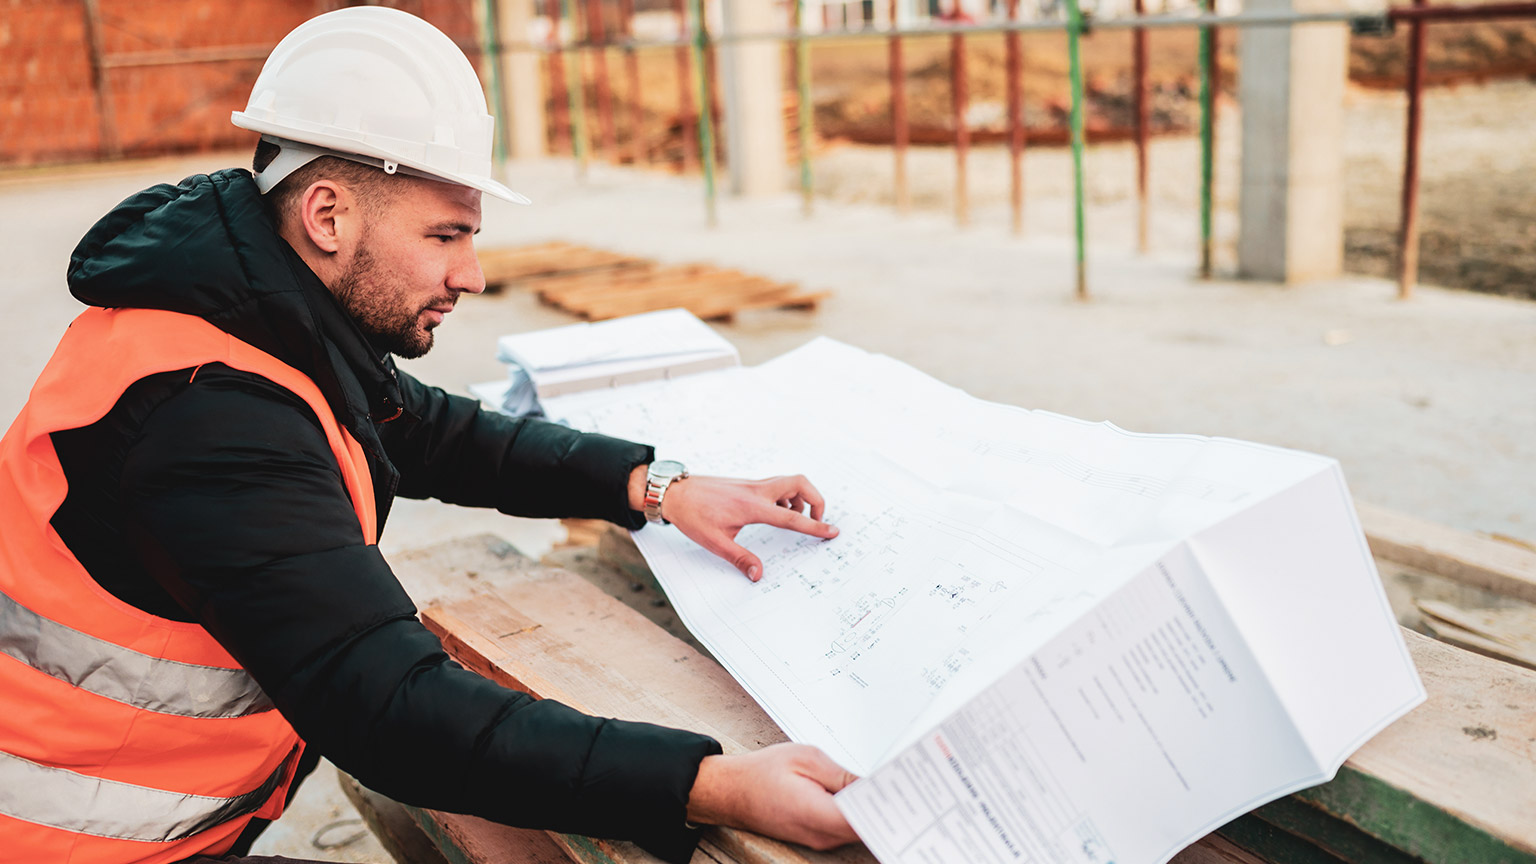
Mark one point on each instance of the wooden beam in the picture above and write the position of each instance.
(1500, 566)
(392, 824)
(1454, 781)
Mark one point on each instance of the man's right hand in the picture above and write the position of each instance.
(783, 791)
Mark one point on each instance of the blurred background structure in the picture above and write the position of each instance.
(1300, 188)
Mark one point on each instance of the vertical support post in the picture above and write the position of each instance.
(807, 111)
(1207, 157)
(490, 59)
(899, 114)
(632, 81)
(576, 90)
(1013, 65)
(522, 105)
(1292, 92)
(563, 140)
(687, 114)
(597, 33)
(1408, 239)
(106, 113)
(712, 60)
(753, 82)
(1075, 73)
(959, 98)
(706, 122)
(1143, 205)
(1210, 7)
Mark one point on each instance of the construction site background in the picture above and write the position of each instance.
(159, 77)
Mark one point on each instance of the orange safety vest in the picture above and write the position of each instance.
(125, 737)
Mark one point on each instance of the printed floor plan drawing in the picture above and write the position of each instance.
(1036, 638)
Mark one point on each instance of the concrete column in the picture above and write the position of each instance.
(1292, 93)
(522, 76)
(752, 76)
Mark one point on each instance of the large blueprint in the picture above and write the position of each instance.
(1038, 638)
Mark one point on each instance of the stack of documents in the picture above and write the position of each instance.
(655, 345)
(1036, 638)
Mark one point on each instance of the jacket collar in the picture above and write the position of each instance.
(208, 247)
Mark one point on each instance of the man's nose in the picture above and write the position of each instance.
(466, 277)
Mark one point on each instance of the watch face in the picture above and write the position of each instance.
(667, 467)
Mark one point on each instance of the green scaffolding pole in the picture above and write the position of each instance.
(706, 108)
(575, 89)
(807, 113)
(492, 57)
(1075, 70)
(1207, 94)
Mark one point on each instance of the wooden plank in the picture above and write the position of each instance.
(706, 291)
(563, 292)
(566, 639)
(394, 827)
(1501, 566)
(1454, 781)
(726, 290)
(707, 301)
(543, 260)
(1216, 850)
(1506, 634)
(468, 840)
(598, 280)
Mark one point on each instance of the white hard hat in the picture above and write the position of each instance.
(379, 86)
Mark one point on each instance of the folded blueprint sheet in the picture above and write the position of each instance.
(1036, 638)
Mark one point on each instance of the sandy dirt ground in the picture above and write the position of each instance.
(1428, 404)
(1477, 192)
(1479, 168)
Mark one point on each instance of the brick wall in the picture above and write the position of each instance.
(49, 109)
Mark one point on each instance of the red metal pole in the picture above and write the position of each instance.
(899, 117)
(1143, 206)
(962, 132)
(561, 142)
(1210, 6)
(597, 34)
(632, 76)
(688, 117)
(1408, 240)
(1016, 120)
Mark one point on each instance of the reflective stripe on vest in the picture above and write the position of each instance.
(126, 738)
(118, 811)
(122, 674)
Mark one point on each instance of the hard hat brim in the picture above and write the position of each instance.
(345, 147)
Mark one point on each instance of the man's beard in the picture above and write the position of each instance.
(365, 292)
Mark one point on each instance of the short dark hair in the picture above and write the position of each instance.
(373, 187)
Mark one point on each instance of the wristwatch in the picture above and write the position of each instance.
(658, 478)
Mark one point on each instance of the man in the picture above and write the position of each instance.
(192, 604)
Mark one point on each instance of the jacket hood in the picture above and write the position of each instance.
(208, 247)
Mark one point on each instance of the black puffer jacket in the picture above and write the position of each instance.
(217, 499)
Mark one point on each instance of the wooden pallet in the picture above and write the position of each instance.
(504, 266)
(595, 284)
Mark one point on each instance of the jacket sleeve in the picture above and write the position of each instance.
(446, 447)
(243, 517)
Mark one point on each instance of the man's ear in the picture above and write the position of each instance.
(325, 212)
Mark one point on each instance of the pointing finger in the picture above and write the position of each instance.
(740, 558)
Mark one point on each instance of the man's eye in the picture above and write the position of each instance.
(443, 237)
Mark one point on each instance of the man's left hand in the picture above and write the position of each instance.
(711, 511)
